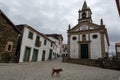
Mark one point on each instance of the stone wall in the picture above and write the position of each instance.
(7, 34)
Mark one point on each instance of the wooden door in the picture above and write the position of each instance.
(50, 54)
(27, 54)
(35, 55)
(84, 51)
(43, 56)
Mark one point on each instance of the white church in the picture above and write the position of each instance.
(87, 40)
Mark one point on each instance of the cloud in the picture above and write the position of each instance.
(53, 16)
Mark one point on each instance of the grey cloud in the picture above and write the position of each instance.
(53, 16)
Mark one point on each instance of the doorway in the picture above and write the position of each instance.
(50, 54)
(35, 55)
(84, 51)
(43, 55)
(27, 54)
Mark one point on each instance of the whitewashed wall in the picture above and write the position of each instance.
(95, 46)
(43, 47)
(57, 47)
(74, 47)
(26, 42)
(106, 44)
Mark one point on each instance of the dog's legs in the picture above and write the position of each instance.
(52, 74)
(58, 74)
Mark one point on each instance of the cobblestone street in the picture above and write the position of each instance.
(42, 71)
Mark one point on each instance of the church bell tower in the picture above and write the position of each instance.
(85, 14)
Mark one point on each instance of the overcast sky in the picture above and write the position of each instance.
(53, 16)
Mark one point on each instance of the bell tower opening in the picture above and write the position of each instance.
(83, 15)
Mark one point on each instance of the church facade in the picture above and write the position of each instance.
(87, 40)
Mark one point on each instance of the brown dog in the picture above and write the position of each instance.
(57, 71)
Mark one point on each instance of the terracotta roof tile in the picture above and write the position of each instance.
(117, 44)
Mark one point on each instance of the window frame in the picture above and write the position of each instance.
(30, 35)
(45, 41)
(9, 46)
(37, 41)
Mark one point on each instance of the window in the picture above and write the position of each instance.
(9, 46)
(74, 38)
(37, 42)
(95, 36)
(30, 35)
(45, 41)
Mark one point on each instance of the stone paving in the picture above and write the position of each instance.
(42, 71)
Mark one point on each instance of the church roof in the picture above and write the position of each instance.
(84, 6)
(85, 23)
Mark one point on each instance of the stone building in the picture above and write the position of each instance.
(87, 40)
(9, 36)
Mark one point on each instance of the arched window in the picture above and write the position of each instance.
(83, 15)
